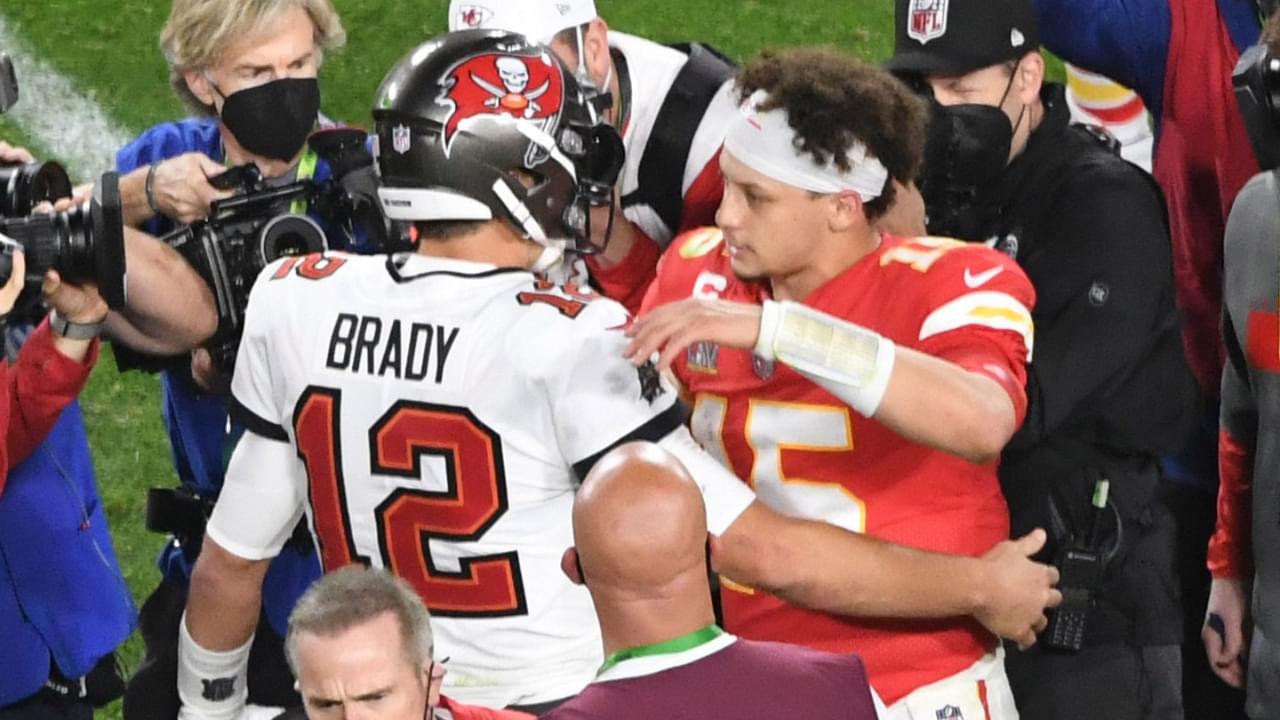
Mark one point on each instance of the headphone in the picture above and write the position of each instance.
(1256, 80)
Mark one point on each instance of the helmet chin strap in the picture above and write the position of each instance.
(550, 257)
(520, 212)
(552, 253)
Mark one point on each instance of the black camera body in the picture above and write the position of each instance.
(84, 243)
(253, 228)
(242, 235)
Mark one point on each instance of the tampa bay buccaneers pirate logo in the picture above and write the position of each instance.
(529, 88)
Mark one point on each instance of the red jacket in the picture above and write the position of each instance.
(476, 712)
(34, 393)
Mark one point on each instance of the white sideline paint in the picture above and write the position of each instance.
(68, 126)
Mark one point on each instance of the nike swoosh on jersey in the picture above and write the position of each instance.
(982, 278)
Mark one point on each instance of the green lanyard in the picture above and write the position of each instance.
(670, 647)
(306, 171)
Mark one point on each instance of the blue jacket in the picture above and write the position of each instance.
(61, 590)
(1130, 41)
(199, 434)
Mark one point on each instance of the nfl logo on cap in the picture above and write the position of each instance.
(927, 20)
(400, 140)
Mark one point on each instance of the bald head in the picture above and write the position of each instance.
(639, 524)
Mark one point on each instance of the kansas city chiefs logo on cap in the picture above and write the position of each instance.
(472, 16)
(525, 88)
(927, 20)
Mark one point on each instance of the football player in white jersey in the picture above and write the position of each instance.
(433, 412)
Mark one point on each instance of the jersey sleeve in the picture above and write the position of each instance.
(257, 386)
(976, 314)
(261, 500)
(599, 399)
(724, 496)
(1249, 335)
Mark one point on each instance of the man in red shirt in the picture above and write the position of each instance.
(849, 375)
(360, 644)
(642, 549)
(52, 367)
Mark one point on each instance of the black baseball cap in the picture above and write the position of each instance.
(953, 37)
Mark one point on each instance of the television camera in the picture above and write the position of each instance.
(254, 227)
(84, 243)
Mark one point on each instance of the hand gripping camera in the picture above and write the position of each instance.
(253, 228)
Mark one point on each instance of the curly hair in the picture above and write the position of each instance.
(833, 101)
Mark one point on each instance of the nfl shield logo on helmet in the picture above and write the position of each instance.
(927, 20)
(949, 712)
(400, 139)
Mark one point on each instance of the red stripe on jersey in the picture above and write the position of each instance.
(1127, 112)
(1263, 340)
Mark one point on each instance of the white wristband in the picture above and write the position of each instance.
(212, 685)
(849, 361)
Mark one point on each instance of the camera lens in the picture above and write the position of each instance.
(22, 187)
(290, 235)
(60, 241)
(84, 243)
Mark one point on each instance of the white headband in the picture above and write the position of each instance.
(765, 142)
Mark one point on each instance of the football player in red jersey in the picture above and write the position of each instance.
(849, 375)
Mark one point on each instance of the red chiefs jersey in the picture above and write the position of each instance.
(807, 453)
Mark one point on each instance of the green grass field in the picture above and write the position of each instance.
(109, 49)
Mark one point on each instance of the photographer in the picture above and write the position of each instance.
(64, 605)
(247, 70)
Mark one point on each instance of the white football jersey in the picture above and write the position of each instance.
(444, 412)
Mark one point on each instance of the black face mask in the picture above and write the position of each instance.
(965, 155)
(273, 120)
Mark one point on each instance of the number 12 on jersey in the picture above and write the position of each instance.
(407, 519)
